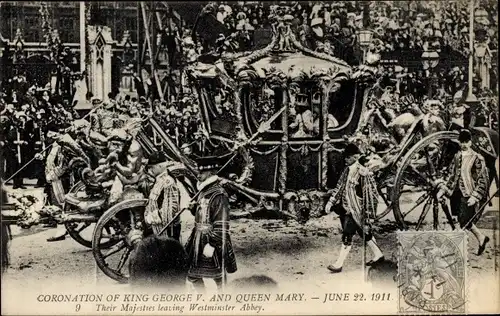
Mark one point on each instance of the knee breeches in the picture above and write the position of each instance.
(350, 227)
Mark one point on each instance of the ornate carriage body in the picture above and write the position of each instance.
(320, 99)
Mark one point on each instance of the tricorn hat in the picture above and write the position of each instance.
(464, 136)
(208, 163)
(351, 150)
(52, 127)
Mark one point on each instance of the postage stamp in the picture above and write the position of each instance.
(432, 269)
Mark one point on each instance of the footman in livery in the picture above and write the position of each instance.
(467, 186)
(209, 247)
(353, 199)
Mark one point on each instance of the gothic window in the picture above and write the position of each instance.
(130, 23)
(32, 29)
(32, 35)
(100, 44)
(31, 22)
(67, 27)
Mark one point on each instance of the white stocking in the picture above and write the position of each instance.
(344, 251)
(479, 236)
(377, 253)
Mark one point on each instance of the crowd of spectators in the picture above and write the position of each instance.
(402, 31)
(399, 26)
(179, 118)
(26, 114)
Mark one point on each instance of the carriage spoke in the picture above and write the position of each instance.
(418, 173)
(424, 214)
(111, 236)
(420, 200)
(123, 259)
(116, 248)
(108, 229)
(111, 232)
(447, 212)
(431, 168)
(384, 196)
(415, 190)
(445, 156)
(440, 163)
(435, 212)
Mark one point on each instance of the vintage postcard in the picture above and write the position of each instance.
(249, 157)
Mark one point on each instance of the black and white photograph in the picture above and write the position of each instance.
(249, 157)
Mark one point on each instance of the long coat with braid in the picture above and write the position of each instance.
(211, 227)
(356, 191)
(468, 177)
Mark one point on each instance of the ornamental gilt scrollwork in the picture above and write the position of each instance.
(247, 77)
(304, 204)
(248, 167)
(276, 78)
(368, 72)
(291, 199)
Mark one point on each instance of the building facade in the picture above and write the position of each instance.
(23, 36)
(64, 16)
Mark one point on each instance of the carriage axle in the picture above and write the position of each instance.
(76, 218)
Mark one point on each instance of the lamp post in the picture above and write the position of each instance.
(364, 39)
(83, 34)
(479, 15)
(481, 18)
(430, 59)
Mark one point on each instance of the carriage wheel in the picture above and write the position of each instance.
(127, 217)
(415, 190)
(82, 232)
